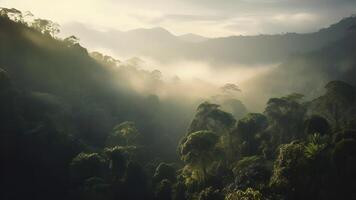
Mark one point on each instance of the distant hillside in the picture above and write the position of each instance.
(192, 38)
(95, 97)
(160, 44)
(307, 73)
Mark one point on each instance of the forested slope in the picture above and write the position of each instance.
(72, 127)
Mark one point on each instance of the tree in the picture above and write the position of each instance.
(234, 106)
(198, 149)
(46, 27)
(210, 194)
(103, 59)
(248, 194)
(252, 172)
(86, 165)
(71, 40)
(12, 14)
(125, 133)
(337, 105)
(291, 171)
(189, 181)
(244, 136)
(210, 117)
(286, 118)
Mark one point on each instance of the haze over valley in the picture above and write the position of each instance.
(233, 59)
(177, 100)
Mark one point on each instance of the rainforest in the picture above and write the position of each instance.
(166, 112)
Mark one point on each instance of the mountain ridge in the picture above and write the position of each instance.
(163, 46)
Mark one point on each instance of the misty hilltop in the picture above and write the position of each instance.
(163, 46)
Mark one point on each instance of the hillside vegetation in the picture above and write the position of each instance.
(73, 126)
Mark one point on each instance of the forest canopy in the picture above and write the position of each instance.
(77, 124)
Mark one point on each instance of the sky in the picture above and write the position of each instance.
(210, 18)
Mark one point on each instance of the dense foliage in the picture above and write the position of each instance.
(70, 131)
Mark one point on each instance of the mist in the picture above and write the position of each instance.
(146, 114)
(190, 82)
(259, 65)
